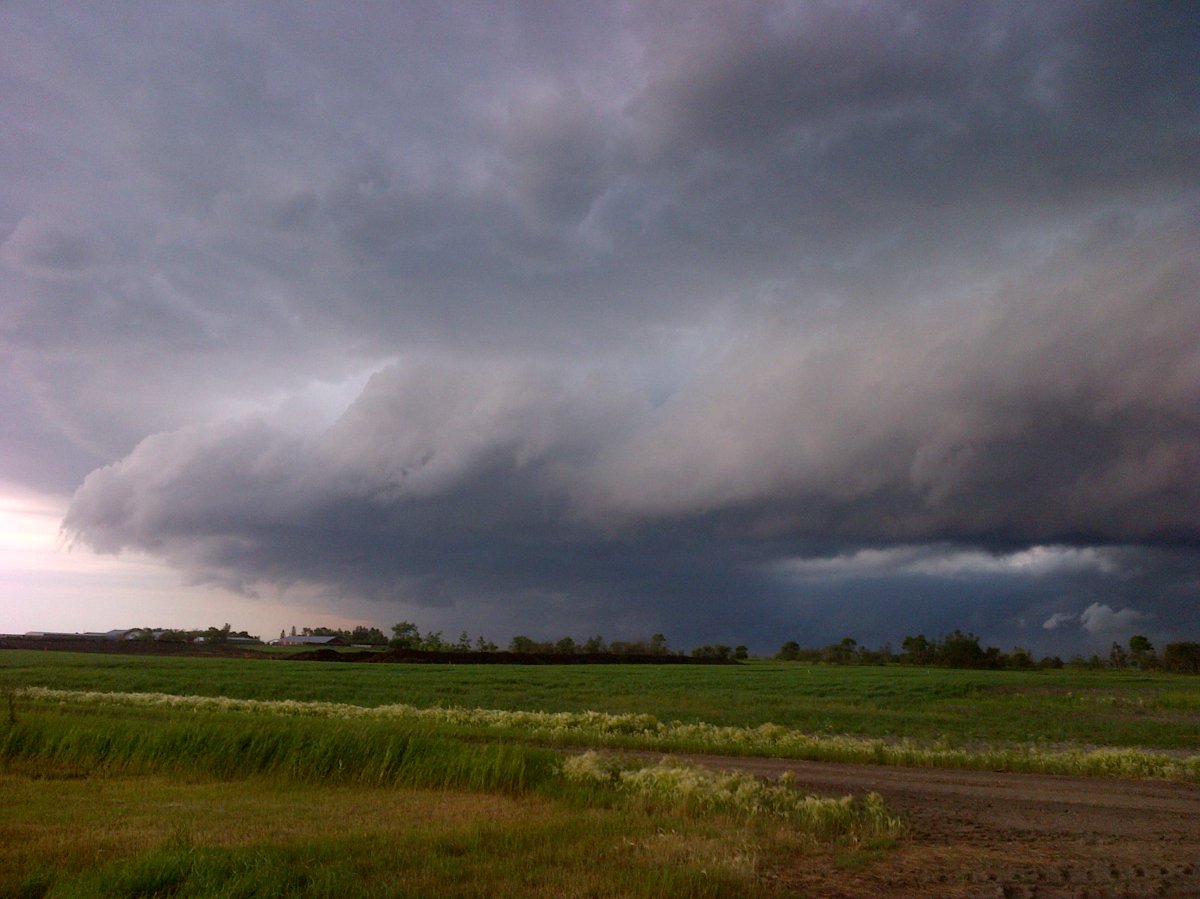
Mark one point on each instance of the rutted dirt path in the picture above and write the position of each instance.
(979, 833)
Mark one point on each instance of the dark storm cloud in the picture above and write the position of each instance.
(655, 298)
(1064, 408)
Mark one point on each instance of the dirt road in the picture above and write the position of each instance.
(977, 833)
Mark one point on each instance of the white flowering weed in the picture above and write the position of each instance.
(700, 791)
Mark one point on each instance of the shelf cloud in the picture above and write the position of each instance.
(724, 320)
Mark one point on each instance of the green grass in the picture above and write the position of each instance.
(1118, 709)
(127, 799)
(415, 780)
(121, 740)
(632, 731)
(120, 836)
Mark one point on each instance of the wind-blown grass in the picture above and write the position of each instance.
(700, 791)
(668, 829)
(640, 731)
(215, 743)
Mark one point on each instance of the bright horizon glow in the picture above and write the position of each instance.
(48, 585)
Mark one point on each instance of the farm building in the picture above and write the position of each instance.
(308, 641)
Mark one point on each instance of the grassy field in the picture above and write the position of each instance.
(113, 798)
(311, 779)
(1117, 709)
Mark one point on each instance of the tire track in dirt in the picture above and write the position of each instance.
(983, 833)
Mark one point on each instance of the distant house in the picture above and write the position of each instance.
(309, 641)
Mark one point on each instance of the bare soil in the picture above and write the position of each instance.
(978, 833)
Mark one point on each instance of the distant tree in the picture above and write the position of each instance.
(594, 644)
(1117, 656)
(405, 635)
(1020, 658)
(217, 635)
(881, 656)
(842, 653)
(482, 645)
(282, 634)
(464, 642)
(293, 630)
(917, 650)
(658, 645)
(1141, 652)
(741, 652)
(789, 652)
(370, 636)
(521, 643)
(1182, 657)
(959, 650)
(433, 642)
(565, 646)
(712, 651)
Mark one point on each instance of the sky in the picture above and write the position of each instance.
(738, 322)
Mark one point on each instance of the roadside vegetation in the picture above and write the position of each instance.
(130, 796)
(627, 731)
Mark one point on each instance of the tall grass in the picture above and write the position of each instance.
(639, 731)
(225, 746)
(93, 740)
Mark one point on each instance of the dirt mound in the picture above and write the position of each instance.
(327, 655)
(131, 647)
(447, 657)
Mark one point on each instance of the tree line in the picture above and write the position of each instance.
(217, 635)
(954, 650)
(406, 635)
(959, 650)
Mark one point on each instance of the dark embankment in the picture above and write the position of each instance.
(395, 656)
(432, 657)
(134, 647)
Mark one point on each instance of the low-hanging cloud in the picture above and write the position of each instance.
(1058, 619)
(1061, 409)
(949, 561)
(1099, 618)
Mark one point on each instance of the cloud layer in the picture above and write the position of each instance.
(616, 318)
